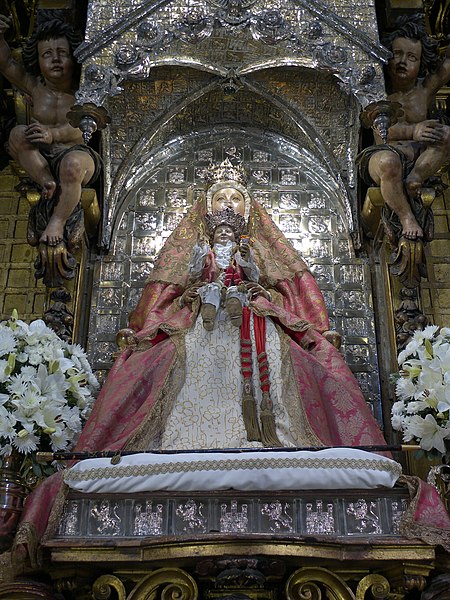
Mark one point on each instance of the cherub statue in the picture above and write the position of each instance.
(417, 146)
(49, 149)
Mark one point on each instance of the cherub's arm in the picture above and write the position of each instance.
(401, 131)
(435, 81)
(9, 67)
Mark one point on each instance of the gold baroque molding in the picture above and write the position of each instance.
(102, 587)
(309, 583)
(377, 584)
(173, 583)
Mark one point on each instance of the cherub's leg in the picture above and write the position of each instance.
(75, 170)
(385, 168)
(30, 159)
(428, 163)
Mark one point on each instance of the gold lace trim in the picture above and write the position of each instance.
(54, 519)
(410, 529)
(114, 472)
(148, 435)
(26, 535)
(301, 430)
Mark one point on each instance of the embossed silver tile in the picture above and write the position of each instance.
(277, 516)
(363, 517)
(106, 518)
(191, 516)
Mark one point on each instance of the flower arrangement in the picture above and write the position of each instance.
(421, 412)
(46, 393)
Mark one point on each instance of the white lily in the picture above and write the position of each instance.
(46, 388)
(429, 432)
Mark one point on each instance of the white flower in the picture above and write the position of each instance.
(51, 351)
(20, 383)
(429, 432)
(38, 331)
(7, 422)
(398, 407)
(441, 360)
(411, 368)
(60, 439)
(60, 364)
(397, 422)
(53, 386)
(405, 388)
(71, 416)
(49, 419)
(34, 355)
(6, 450)
(443, 404)
(45, 388)
(26, 405)
(416, 406)
(429, 378)
(8, 341)
(425, 334)
(410, 350)
(26, 440)
(93, 381)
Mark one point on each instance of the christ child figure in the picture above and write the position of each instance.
(227, 268)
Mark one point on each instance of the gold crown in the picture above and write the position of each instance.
(226, 171)
(226, 216)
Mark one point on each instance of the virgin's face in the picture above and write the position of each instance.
(228, 198)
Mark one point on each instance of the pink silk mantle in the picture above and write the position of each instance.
(334, 406)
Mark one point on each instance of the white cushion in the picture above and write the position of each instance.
(338, 468)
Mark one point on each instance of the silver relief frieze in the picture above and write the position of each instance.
(324, 40)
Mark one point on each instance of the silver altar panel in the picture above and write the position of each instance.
(358, 514)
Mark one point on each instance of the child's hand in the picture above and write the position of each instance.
(37, 133)
(244, 249)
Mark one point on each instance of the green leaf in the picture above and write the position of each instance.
(429, 348)
(37, 469)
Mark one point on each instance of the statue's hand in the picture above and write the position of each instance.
(37, 133)
(191, 293)
(430, 132)
(5, 23)
(244, 249)
(334, 337)
(255, 290)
